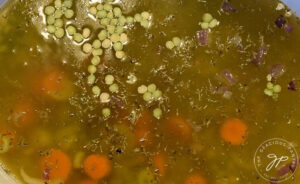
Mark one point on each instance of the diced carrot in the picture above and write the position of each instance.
(23, 114)
(178, 128)
(159, 161)
(195, 179)
(97, 166)
(234, 131)
(142, 128)
(57, 163)
(88, 181)
(56, 85)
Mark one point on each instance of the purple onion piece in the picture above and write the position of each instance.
(117, 101)
(280, 21)
(277, 70)
(46, 174)
(259, 56)
(202, 37)
(228, 77)
(292, 85)
(288, 28)
(227, 7)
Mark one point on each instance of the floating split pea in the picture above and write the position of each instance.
(109, 79)
(106, 112)
(78, 37)
(114, 88)
(71, 30)
(147, 96)
(92, 69)
(157, 113)
(95, 60)
(96, 90)
(87, 48)
(96, 44)
(59, 33)
(86, 32)
(151, 88)
(142, 89)
(91, 79)
(157, 94)
(104, 97)
(120, 54)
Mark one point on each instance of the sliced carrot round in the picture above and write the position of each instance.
(87, 181)
(56, 84)
(23, 114)
(57, 163)
(234, 131)
(142, 128)
(178, 128)
(195, 179)
(159, 161)
(97, 166)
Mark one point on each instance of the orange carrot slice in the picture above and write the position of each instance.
(234, 131)
(142, 129)
(159, 161)
(57, 163)
(178, 128)
(97, 166)
(56, 84)
(87, 181)
(23, 114)
(195, 179)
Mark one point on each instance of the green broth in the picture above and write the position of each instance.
(185, 75)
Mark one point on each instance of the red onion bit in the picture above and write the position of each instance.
(228, 77)
(288, 28)
(46, 174)
(117, 101)
(277, 70)
(259, 56)
(202, 37)
(292, 86)
(227, 7)
(280, 21)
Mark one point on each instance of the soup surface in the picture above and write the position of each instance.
(144, 91)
